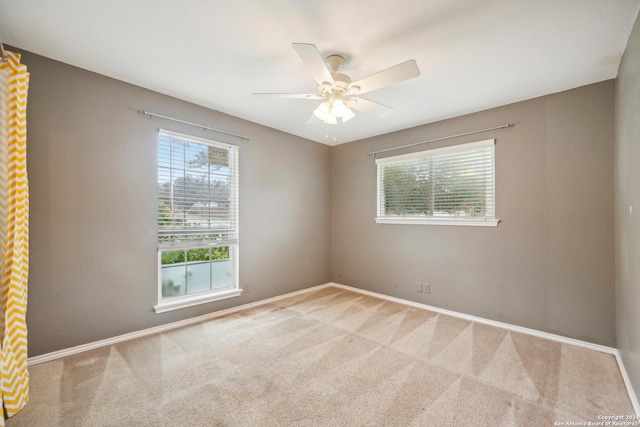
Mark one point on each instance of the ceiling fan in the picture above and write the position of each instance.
(336, 90)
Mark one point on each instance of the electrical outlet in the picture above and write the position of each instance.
(245, 288)
(420, 287)
(426, 288)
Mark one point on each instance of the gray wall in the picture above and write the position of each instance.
(549, 265)
(627, 185)
(92, 172)
(307, 218)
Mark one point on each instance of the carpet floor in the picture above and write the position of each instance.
(329, 357)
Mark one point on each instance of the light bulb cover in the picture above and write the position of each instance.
(348, 115)
(339, 108)
(322, 111)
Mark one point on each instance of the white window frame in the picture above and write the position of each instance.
(182, 301)
(487, 221)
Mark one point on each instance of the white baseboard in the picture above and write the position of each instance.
(48, 357)
(174, 325)
(528, 331)
(627, 382)
(546, 335)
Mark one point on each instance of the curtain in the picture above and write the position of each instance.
(14, 244)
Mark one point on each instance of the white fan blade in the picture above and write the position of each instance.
(405, 71)
(370, 107)
(288, 95)
(314, 62)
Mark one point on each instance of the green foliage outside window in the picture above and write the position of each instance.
(408, 191)
(192, 255)
(428, 189)
(164, 214)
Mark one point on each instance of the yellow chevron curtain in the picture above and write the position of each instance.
(14, 235)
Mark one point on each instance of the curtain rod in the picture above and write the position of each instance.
(3, 56)
(508, 125)
(152, 115)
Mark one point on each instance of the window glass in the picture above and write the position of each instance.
(450, 183)
(197, 215)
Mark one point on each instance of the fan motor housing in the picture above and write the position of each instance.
(340, 86)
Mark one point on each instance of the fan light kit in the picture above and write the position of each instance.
(338, 93)
(332, 111)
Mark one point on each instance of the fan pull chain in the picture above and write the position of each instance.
(326, 132)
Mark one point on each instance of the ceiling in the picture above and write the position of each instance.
(473, 54)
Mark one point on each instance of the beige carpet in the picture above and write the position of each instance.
(328, 358)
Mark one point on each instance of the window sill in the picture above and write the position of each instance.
(185, 301)
(469, 222)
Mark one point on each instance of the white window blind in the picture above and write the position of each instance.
(197, 192)
(454, 185)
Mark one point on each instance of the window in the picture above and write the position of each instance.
(197, 221)
(453, 185)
